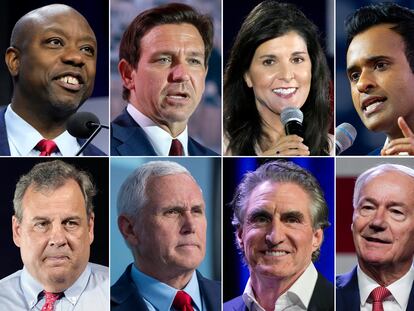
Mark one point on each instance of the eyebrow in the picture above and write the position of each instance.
(375, 202)
(296, 53)
(296, 214)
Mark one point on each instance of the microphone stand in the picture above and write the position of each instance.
(99, 127)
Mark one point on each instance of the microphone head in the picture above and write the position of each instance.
(82, 124)
(291, 114)
(345, 135)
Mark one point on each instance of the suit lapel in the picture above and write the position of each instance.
(347, 292)
(323, 295)
(410, 305)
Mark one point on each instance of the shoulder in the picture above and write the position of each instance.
(197, 149)
(11, 293)
(99, 271)
(10, 280)
(234, 304)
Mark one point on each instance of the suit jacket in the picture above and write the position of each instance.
(128, 138)
(90, 150)
(376, 152)
(347, 293)
(322, 298)
(125, 295)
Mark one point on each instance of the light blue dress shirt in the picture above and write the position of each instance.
(160, 296)
(21, 292)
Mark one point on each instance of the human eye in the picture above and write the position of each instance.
(197, 210)
(164, 60)
(381, 66)
(397, 214)
(41, 225)
(297, 60)
(71, 224)
(88, 50)
(195, 61)
(54, 42)
(354, 76)
(292, 217)
(259, 218)
(172, 212)
(366, 210)
(268, 61)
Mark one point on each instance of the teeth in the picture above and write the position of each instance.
(276, 254)
(177, 96)
(284, 91)
(70, 80)
(372, 106)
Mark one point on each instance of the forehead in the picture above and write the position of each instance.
(172, 37)
(66, 198)
(173, 188)
(280, 196)
(395, 182)
(379, 40)
(288, 43)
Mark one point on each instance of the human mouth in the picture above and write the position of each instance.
(285, 92)
(372, 104)
(276, 253)
(376, 240)
(70, 81)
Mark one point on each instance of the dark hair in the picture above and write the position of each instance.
(172, 13)
(383, 13)
(242, 121)
(284, 172)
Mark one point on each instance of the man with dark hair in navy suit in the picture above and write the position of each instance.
(279, 213)
(161, 215)
(163, 61)
(380, 69)
(52, 60)
(383, 231)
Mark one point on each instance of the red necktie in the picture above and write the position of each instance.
(50, 300)
(46, 147)
(182, 301)
(378, 295)
(176, 148)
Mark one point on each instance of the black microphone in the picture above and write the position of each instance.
(84, 125)
(292, 119)
(345, 135)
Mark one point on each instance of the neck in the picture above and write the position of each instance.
(272, 131)
(385, 274)
(176, 279)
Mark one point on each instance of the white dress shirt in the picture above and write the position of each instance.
(23, 138)
(159, 139)
(400, 291)
(21, 292)
(296, 298)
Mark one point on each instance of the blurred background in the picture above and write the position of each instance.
(205, 124)
(366, 141)
(235, 273)
(96, 13)
(207, 173)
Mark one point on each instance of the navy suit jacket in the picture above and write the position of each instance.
(125, 295)
(347, 293)
(128, 139)
(322, 298)
(376, 152)
(90, 150)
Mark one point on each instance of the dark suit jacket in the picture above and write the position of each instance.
(347, 293)
(375, 152)
(90, 150)
(322, 298)
(125, 295)
(128, 138)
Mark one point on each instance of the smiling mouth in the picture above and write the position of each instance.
(371, 105)
(376, 240)
(70, 82)
(276, 253)
(284, 91)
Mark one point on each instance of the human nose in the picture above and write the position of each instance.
(285, 72)
(57, 236)
(73, 56)
(179, 73)
(276, 234)
(366, 82)
(378, 221)
(188, 223)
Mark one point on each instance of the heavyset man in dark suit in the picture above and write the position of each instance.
(52, 60)
(383, 231)
(279, 216)
(161, 215)
(163, 60)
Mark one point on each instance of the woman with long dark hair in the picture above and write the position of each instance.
(276, 62)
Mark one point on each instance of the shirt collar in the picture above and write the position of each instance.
(23, 138)
(400, 289)
(161, 295)
(298, 294)
(401, 153)
(159, 138)
(31, 287)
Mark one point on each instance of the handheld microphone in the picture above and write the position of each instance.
(345, 135)
(292, 119)
(84, 125)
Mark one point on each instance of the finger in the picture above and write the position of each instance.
(397, 149)
(405, 129)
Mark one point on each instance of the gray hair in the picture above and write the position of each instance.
(51, 175)
(132, 196)
(376, 170)
(281, 171)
